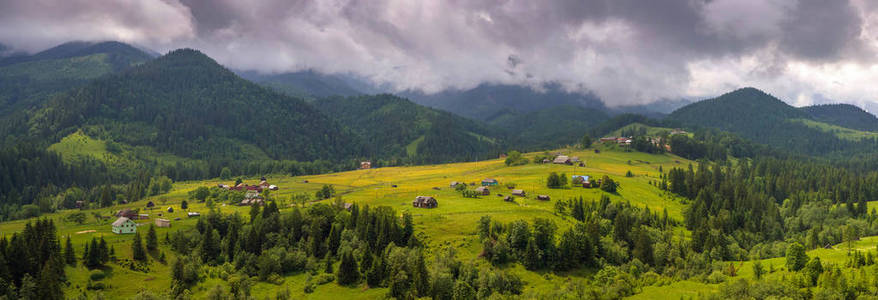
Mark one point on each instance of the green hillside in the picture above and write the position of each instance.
(844, 115)
(394, 127)
(186, 104)
(838, 131)
(763, 118)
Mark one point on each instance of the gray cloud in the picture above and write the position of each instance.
(625, 51)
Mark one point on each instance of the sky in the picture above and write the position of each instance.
(625, 51)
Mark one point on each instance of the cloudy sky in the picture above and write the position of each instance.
(625, 51)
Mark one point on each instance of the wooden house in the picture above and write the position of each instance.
(562, 160)
(365, 164)
(127, 213)
(193, 214)
(425, 202)
(124, 225)
(543, 197)
(519, 193)
(483, 190)
(489, 182)
(162, 222)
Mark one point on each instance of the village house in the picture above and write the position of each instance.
(193, 214)
(454, 184)
(425, 202)
(608, 139)
(127, 213)
(489, 182)
(508, 199)
(365, 164)
(519, 193)
(543, 197)
(162, 222)
(483, 190)
(562, 159)
(124, 225)
(623, 141)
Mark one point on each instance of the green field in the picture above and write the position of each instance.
(451, 224)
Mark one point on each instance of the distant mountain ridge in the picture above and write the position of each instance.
(28, 80)
(765, 119)
(844, 115)
(186, 104)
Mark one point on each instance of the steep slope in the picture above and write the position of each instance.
(487, 100)
(550, 127)
(762, 118)
(186, 104)
(28, 80)
(393, 127)
(304, 84)
(844, 115)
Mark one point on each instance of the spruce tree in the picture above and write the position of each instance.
(152, 241)
(348, 272)
(69, 253)
(138, 253)
(328, 267)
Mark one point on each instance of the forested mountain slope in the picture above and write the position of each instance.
(765, 119)
(27, 80)
(393, 127)
(486, 100)
(550, 127)
(186, 104)
(844, 115)
(305, 84)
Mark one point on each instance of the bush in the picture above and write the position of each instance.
(716, 277)
(97, 275)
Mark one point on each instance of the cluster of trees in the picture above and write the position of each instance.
(555, 181)
(514, 158)
(32, 263)
(758, 206)
(605, 233)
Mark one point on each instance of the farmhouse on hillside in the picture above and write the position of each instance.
(543, 197)
(124, 225)
(454, 184)
(562, 159)
(162, 222)
(193, 214)
(519, 193)
(483, 190)
(489, 181)
(127, 213)
(425, 202)
(365, 164)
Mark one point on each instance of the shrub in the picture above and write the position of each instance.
(97, 275)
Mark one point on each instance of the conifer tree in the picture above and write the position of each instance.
(137, 250)
(348, 271)
(69, 253)
(151, 239)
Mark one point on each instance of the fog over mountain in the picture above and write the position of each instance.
(803, 51)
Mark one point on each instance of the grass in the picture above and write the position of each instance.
(650, 130)
(838, 131)
(451, 224)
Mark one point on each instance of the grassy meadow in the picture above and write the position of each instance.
(452, 223)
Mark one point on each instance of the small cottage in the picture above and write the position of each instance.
(425, 202)
(543, 197)
(562, 160)
(365, 165)
(127, 213)
(483, 190)
(193, 214)
(124, 225)
(508, 199)
(454, 184)
(162, 222)
(489, 182)
(519, 193)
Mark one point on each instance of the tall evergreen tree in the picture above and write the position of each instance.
(152, 240)
(69, 253)
(348, 271)
(138, 253)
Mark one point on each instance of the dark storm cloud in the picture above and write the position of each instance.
(626, 51)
